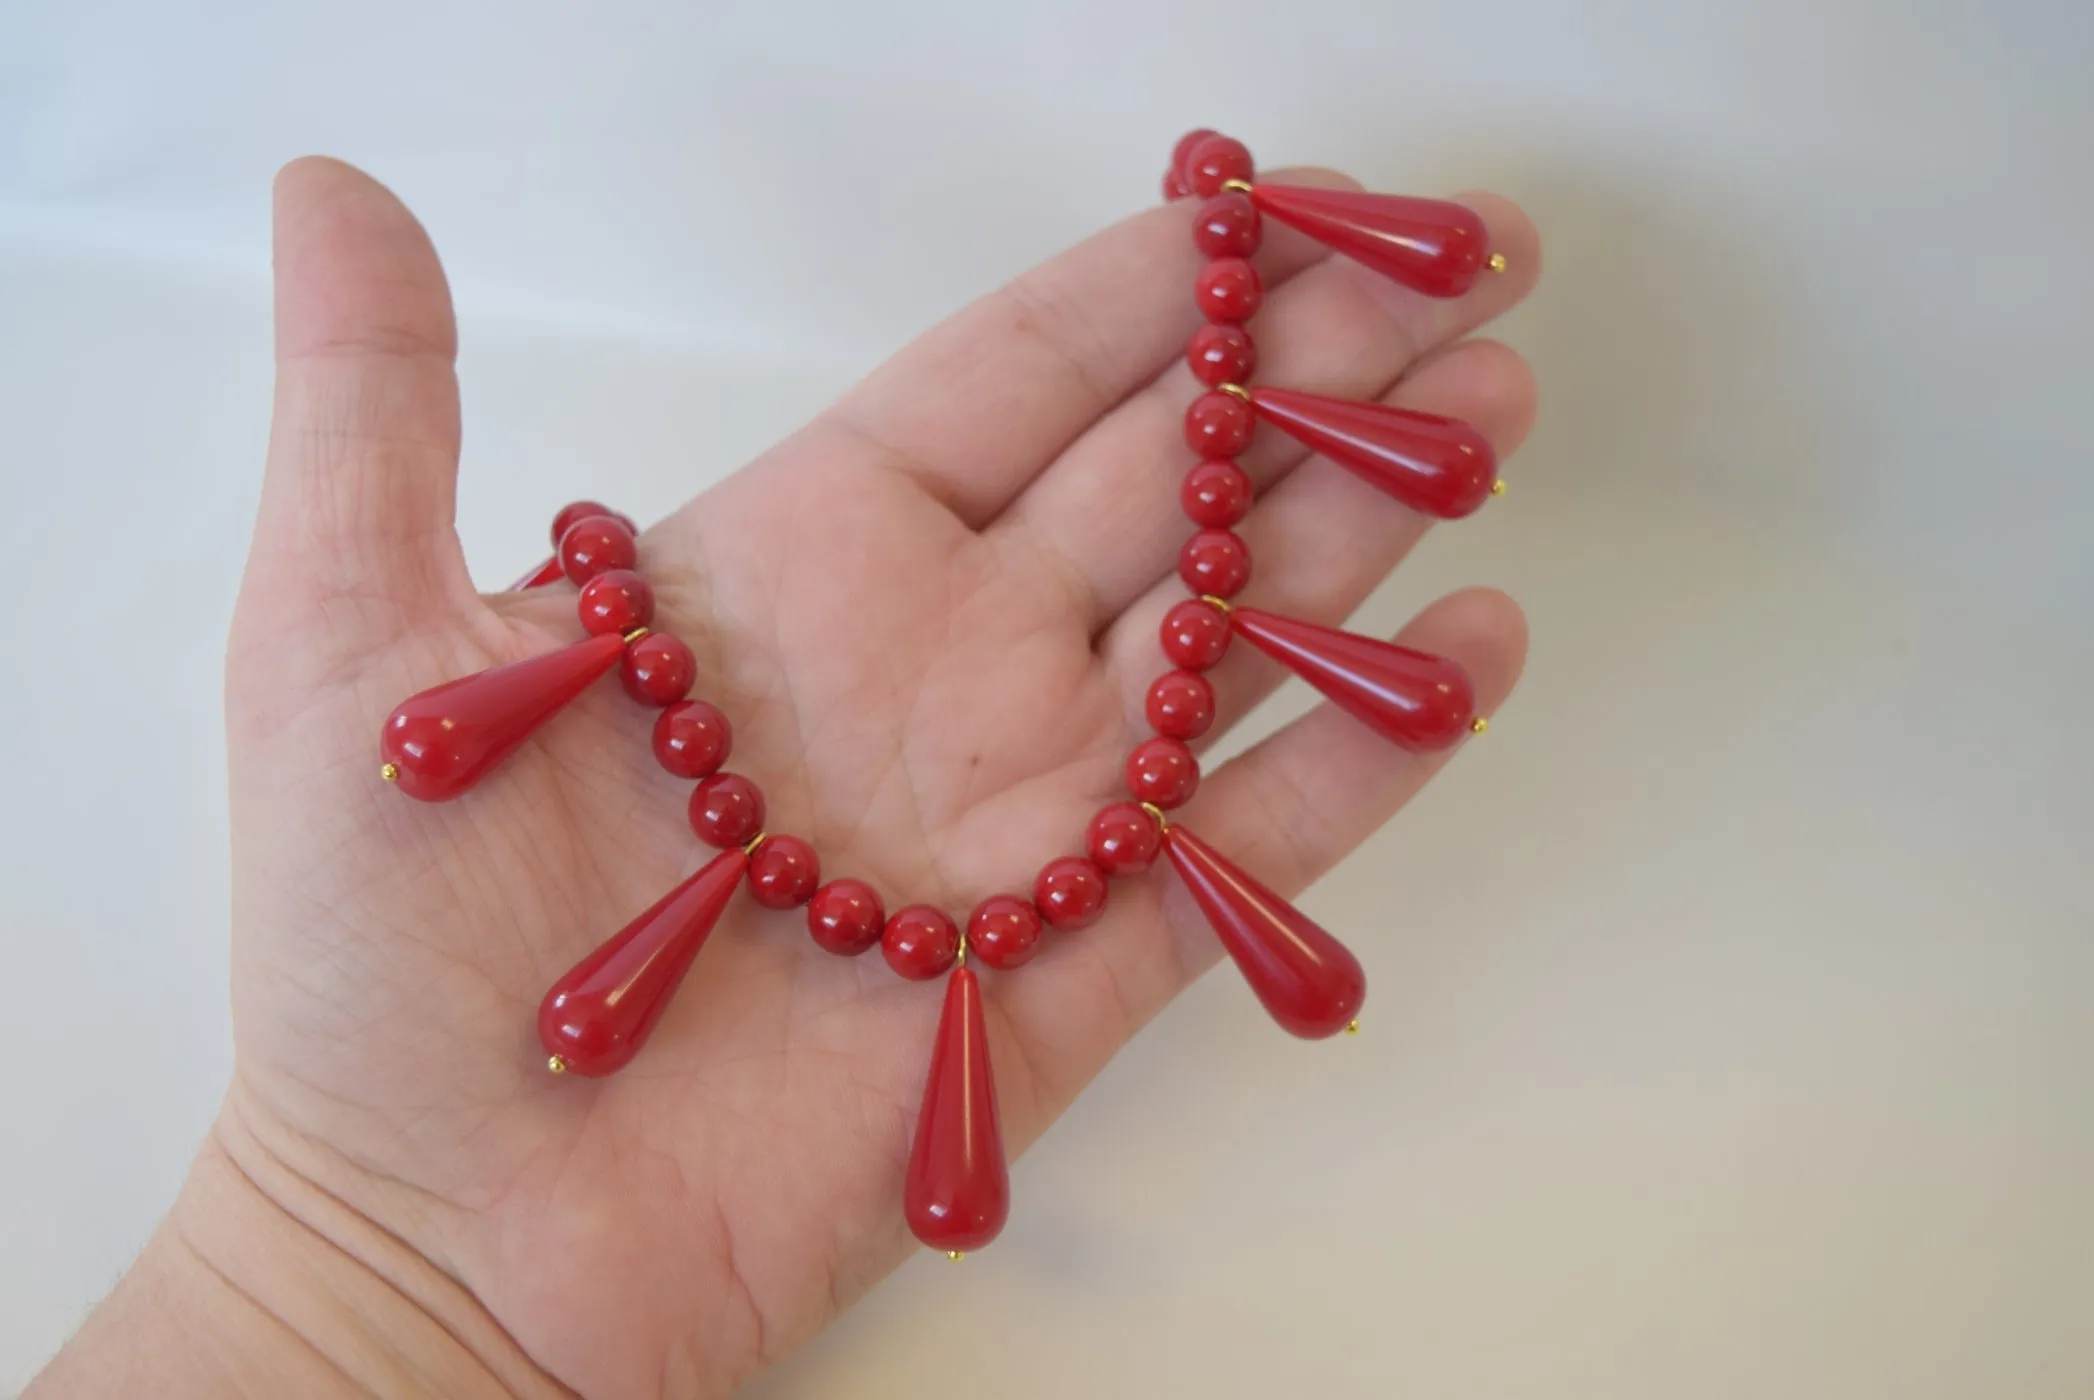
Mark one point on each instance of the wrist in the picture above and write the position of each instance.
(261, 1282)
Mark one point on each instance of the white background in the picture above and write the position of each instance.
(1731, 1029)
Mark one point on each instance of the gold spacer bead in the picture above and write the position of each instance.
(1352, 1028)
(960, 956)
(635, 635)
(1498, 487)
(1236, 186)
(749, 846)
(556, 1065)
(1496, 263)
(1237, 389)
(1222, 603)
(954, 1255)
(1479, 725)
(1163, 823)
(390, 772)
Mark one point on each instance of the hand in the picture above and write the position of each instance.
(931, 615)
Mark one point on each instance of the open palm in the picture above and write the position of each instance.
(931, 615)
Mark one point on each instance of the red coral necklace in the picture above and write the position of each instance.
(598, 1016)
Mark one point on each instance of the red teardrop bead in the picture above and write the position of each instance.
(1411, 698)
(1308, 981)
(1428, 244)
(1440, 466)
(958, 1192)
(598, 1016)
(450, 736)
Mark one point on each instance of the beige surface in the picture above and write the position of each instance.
(1728, 1033)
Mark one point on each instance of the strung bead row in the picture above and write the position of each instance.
(596, 549)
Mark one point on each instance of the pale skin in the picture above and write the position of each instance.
(931, 615)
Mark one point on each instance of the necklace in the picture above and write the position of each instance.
(438, 744)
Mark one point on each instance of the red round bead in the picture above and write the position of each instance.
(1162, 771)
(1181, 705)
(1214, 160)
(726, 810)
(1216, 494)
(783, 872)
(1183, 150)
(1195, 634)
(692, 739)
(1215, 562)
(1227, 226)
(846, 917)
(1173, 187)
(920, 942)
(1123, 839)
(1004, 932)
(1218, 425)
(658, 669)
(582, 510)
(595, 544)
(1219, 354)
(616, 600)
(1070, 893)
(1228, 290)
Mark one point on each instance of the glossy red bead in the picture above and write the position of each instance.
(444, 739)
(1122, 839)
(601, 1012)
(1004, 932)
(957, 1191)
(920, 942)
(692, 739)
(1228, 290)
(1173, 187)
(1413, 699)
(1218, 425)
(1440, 466)
(1211, 162)
(658, 669)
(1195, 634)
(1427, 244)
(1162, 771)
(1215, 562)
(1069, 893)
(846, 917)
(1216, 494)
(616, 600)
(783, 872)
(1227, 226)
(726, 810)
(1182, 151)
(582, 510)
(1308, 981)
(595, 544)
(1180, 705)
(548, 572)
(1221, 354)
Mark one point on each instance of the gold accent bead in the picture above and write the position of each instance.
(1479, 725)
(1222, 603)
(960, 955)
(390, 772)
(749, 846)
(1237, 186)
(954, 1255)
(556, 1065)
(1498, 487)
(1352, 1028)
(1163, 823)
(1237, 389)
(635, 635)
(1497, 262)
